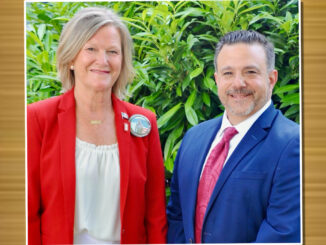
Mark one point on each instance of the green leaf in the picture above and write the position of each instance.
(291, 99)
(178, 91)
(191, 40)
(46, 77)
(196, 72)
(168, 164)
(41, 31)
(208, 37)
(206, 99)
(286, 88)
(173, 136)
(166, 116)
(265, 16)
(191, 115)
(62, 18)
(292, 110)
(191, 99)
(186, 82)
(210, 84)
(46, 89)
(194, 12)
(35, 38)
(251, 9)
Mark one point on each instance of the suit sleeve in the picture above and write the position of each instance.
(175, 222)
(34, 141)
(282, 222)
(155, 217)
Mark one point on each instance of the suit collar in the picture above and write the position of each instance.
(68, 101)
(209, 129)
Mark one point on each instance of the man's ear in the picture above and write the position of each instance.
(272, 77)
(216, 79)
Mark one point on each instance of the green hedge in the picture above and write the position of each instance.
(174, 50)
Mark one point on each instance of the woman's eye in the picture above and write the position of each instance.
(90, 49)
(113, 52)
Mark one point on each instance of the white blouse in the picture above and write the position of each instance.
(97, 205)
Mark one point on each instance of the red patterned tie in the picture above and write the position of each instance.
(212, 170)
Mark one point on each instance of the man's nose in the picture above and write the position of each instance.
(239, 81)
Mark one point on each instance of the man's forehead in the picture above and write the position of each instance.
(246, 67)
(246, 54)
(253, 45)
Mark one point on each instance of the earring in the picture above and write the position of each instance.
(71, 67)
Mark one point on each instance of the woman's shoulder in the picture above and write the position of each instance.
(45, 107)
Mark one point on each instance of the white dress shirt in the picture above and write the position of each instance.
(242, 129)
(97, 205)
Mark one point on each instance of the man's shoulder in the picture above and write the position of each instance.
(204, 127)
(285, 126)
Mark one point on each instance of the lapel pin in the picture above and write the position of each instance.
(124, 115)
(126, 127)
(140, 126)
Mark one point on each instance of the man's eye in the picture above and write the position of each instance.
(228, 73)
(251, 72)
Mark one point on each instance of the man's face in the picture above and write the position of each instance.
(243, 81)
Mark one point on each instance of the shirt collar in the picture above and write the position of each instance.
(245, 125)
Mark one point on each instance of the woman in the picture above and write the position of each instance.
(95, 167)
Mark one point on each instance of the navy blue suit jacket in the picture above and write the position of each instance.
(257, 196)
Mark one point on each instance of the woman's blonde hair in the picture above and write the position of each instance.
(78, 31)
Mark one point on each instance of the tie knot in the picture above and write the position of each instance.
(229, 133)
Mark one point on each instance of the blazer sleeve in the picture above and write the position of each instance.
(282, 222)
(174, 212)
(34, 142)
(155, 216)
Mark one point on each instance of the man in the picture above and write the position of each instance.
(237, 177)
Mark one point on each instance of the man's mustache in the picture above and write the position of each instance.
(242, 91)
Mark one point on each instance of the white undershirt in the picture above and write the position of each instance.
(242, 129)
(97, 206)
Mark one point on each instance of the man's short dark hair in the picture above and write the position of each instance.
(249, 37)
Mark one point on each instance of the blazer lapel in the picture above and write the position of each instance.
(255, 134)
(67, 136)
(122, 126)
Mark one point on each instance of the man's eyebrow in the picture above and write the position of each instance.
(251, 67)
(226, 68)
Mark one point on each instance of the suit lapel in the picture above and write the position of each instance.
(255, 134)
(67, 137)
(198, 155)
(124, 139)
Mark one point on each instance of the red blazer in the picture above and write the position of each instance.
(51, 136)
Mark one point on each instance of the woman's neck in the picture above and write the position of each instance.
(95, 120)
(93, 102)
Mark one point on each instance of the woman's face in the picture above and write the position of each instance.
(98, 64)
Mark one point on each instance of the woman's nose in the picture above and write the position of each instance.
(103, 58)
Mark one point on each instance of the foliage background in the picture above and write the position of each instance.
(174, 51)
